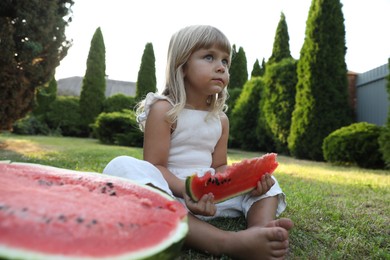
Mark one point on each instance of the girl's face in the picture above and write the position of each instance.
(206, 72)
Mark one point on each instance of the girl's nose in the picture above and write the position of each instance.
(221, 67)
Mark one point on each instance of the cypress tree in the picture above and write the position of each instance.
(279, 88)
(278, 99)
(263, 67)
(146, 81)
(238, 69)
(32, 44)
(321, 104)
(281, 47)
(244, 116)
(256, 70)
(94, 83)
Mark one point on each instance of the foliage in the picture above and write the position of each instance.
(321, 104)
(354, 144)
(146, 81)
(231, 101)
(339, 212)
(64, 116)
(33, 43)
(45, 96)
(238, 69)
(30, 125)
(120, 128)
(279, 99)
(281, 48)
(384, 138)
(118, 102)
(244, 118)
(93, 90)
(256, 70)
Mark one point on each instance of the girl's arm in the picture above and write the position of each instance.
(220, 152)
(157, 139)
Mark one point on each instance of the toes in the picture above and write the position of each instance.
(282, 222)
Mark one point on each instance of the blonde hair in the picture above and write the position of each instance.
(182, 44)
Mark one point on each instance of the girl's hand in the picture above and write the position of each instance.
(205, 206)
(264, 185)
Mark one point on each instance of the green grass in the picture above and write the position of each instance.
(339, 212)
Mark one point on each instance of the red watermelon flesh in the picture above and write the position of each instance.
(51, 212)
(238, 179)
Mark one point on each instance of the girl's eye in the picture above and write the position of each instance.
(209, 57)
(225, 62)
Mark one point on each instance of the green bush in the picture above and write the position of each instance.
(31, 125)
(118, 102)
(119, 128)
(354, 144)
(64, 114)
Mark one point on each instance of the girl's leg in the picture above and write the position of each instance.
(253, 243)
(262, 212)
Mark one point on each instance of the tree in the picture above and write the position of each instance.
(256, 70)
(321, 104)
(281, 47)
(244, 116)
(278, 99)
(45, 96)
(32, 44)
(246, 132)
(238, 76)
(93, 90)
(146, 81)
(279, 88)
(238, 69)
(384, 138)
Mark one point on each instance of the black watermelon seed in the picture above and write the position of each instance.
(79, 220)
(112, 193)
(62, 218)
(110, 184)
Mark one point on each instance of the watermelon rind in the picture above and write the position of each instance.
(167, 249)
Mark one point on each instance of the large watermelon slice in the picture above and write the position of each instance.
(53, 213)
(238, 179)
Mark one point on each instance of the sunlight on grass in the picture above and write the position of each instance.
(25, 148)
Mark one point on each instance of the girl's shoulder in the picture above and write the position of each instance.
(155, 102)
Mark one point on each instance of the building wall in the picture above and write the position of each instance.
(72, 87)
(372, 99)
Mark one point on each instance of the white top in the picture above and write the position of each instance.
(193, 140)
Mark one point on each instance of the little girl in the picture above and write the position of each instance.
(186, 131)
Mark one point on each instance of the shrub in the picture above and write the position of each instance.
(31, 125)
(354, 144)
(118, 102)
(64, 114)
(245, 128)
(119, 128)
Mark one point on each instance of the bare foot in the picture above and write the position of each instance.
(269, 242)
(282, 222)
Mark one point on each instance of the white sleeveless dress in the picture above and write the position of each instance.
(192, 144)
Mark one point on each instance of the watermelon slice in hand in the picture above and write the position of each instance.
(53, 213)
(238, 179)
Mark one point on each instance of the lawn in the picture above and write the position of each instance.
(339, 212)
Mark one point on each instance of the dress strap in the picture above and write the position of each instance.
(150, 99)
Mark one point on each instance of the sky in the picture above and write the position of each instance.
(127, 26)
